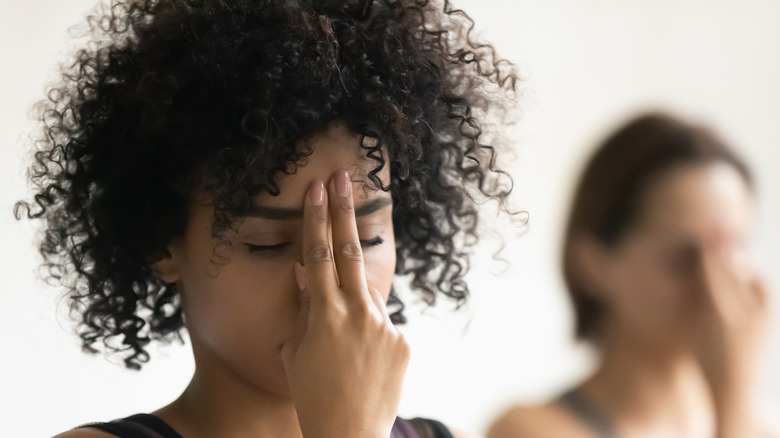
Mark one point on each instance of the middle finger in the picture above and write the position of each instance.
(317, 252)
(346, 242)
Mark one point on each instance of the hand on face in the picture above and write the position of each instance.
(345, 364)
(731, 331)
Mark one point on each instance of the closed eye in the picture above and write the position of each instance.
(376, 241)
(265, 249)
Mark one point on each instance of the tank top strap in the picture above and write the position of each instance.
(136, 426)
(584, 410)
(419, 428)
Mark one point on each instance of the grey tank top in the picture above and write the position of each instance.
(584, 410)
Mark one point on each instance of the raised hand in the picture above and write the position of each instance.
(730, 335)
(346, 363)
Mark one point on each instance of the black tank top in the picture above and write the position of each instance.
(149, 426)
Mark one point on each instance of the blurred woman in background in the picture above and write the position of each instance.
(656, 263)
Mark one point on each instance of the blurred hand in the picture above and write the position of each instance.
(730, 335)
(346, 364)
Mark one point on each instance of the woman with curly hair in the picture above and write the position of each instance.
(257, 172)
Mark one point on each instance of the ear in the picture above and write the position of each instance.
(590, 263)
(165, 267)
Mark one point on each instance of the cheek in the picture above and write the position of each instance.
(652, 296)
(240, 318)
(246, 297)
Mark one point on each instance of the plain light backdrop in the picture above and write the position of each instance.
(586, 67)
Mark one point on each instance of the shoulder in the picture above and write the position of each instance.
(86, 432)
(540, 421)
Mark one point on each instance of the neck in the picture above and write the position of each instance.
(220, 403)
(649, 389)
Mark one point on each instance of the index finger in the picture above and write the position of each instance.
(724, 285)
(317, 252)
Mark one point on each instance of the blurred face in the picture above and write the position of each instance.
(241, 309)
(652, 278)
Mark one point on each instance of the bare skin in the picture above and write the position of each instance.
(687, 316)
(291, 337)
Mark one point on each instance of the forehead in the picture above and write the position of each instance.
(335, 149)
(698, 198)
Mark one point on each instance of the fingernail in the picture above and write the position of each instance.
(343, 184)
(300, 276)
(317, 193)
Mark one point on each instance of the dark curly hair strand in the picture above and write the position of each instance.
(173, 98)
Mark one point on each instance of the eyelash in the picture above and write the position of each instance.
(267, 249)
(376, 241)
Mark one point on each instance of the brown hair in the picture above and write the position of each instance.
(607, 199)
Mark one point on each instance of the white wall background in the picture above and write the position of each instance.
(586, 65)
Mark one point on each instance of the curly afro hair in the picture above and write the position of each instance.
(170, 98)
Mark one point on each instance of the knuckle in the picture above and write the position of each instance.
(360, 316)
(319, 252)
(336, 313)
(352, 251)
(361, 312)
(319, 215)
(332, 315)
(404, 350)
(346, 208)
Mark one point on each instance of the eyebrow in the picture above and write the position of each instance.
(283, 214)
